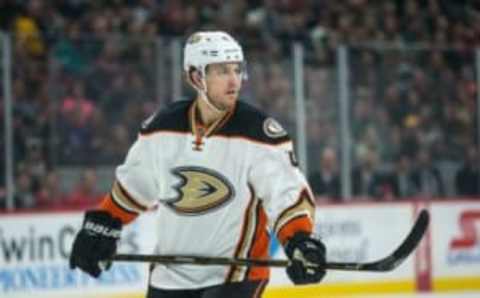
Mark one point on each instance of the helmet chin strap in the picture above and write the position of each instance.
(204, 97)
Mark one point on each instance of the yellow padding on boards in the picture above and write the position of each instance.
(340, 289)
(447, 284)
(324, 290)
(129, 295)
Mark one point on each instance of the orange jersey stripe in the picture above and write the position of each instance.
(303, 207)
(300, 223)
(260, 246)
(109, 205)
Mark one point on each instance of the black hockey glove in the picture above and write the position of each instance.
(307, 256)
(96, 242)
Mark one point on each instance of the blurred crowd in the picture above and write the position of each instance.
(86, 73)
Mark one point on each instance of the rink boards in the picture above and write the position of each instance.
(34, 251)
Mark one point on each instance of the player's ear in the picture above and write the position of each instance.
(195, 79)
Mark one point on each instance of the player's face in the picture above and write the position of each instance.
(224, 81)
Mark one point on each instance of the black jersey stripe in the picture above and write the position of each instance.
(122, 194)
(245, 121)
(235, 271)
(119, 205)
(302, 205)
(252, 241)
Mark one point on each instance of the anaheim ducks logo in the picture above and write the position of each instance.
(194, 39)
(273, 129)
(201, 190)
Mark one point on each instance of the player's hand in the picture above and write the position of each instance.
(96, 242)
(307, 256)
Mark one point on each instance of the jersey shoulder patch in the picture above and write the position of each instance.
(171, 118)
(273, 129)
(249, 122)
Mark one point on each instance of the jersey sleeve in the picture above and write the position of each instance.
(286, 195)
(134, 189)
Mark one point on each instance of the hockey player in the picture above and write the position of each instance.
(224, 178)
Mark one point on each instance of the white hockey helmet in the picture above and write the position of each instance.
(208, 47)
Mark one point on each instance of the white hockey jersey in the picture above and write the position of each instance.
(219, 192)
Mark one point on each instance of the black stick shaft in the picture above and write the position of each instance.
(214, 261)
(388, 263)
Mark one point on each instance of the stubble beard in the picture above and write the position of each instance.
(225, 104)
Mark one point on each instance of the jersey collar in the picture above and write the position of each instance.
(200, 130)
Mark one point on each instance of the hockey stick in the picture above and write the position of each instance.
(388, 263)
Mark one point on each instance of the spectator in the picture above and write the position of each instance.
(367, 179)
(467, 178)
(77, 102)
(426, 176)
(85, 193)
(35, 160)
(28, 29)
(362, 117)
(119, 142)
(325, 181)
(279, 86)
(77, 134)
(401, 182)
(50, 194)
(24, 196)
(77, 140)
(69, 50)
